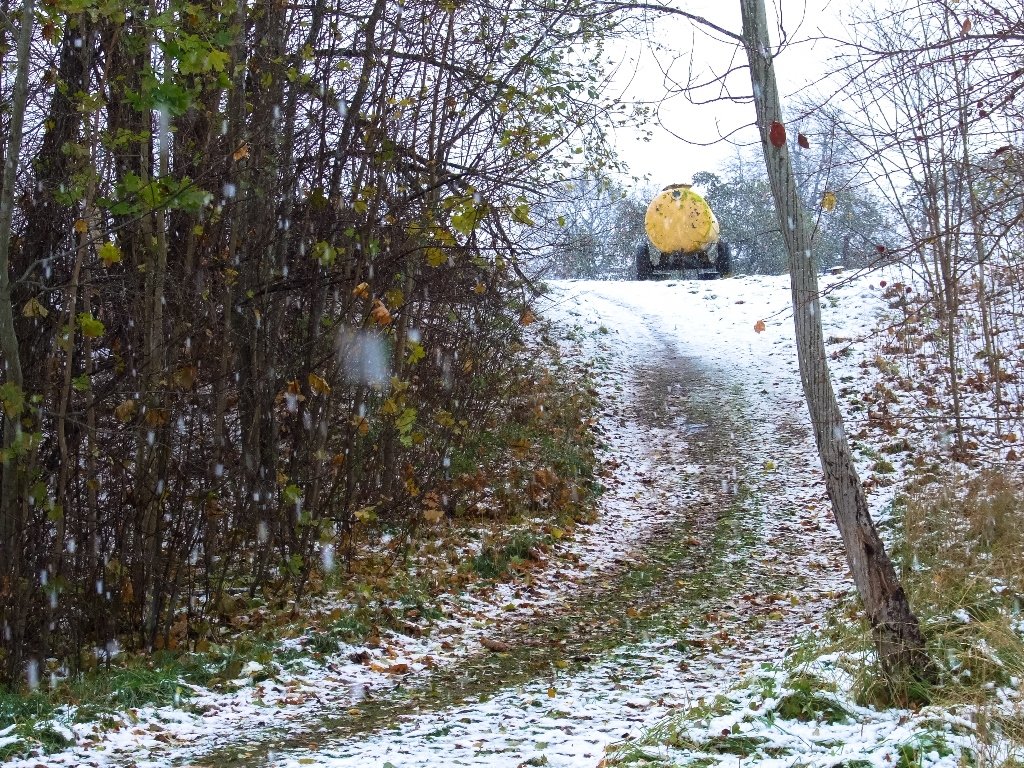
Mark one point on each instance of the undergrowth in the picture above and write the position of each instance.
(518, 481)
(958, 546)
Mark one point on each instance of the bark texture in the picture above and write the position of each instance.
(897, 633)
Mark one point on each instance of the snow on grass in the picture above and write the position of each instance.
(569, 717)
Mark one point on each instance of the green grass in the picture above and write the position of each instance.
(495, 561)
(807, 701)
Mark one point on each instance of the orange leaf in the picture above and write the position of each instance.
(759, 326)
(433, 514)
(362, 291)
(241, 153)
(777, 134)
(380, 313)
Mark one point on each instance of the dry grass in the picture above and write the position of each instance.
(962, 561)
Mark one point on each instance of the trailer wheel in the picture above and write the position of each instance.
(644, 268)
(723, 259)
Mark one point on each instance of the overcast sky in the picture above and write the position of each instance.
(685, 140)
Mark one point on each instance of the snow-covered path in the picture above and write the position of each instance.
(713, 551)
(707, 436)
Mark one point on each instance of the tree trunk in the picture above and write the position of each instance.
(896, 632)
(11, 513)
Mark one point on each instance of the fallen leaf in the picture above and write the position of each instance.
(759, 326)
(495, 645)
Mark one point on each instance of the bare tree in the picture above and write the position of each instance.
(897, 634)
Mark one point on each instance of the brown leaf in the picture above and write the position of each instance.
(241, 153)
(966, 27)
(380, 313)
(157, 417)
(495, 645)
(125, 411)
(185, 377)
(759, 326)
(802, 141)
(777, 134)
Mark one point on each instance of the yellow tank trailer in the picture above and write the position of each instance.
(685, 234)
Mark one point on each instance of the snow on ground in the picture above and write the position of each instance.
(569, 719)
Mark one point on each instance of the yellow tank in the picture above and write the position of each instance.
(680, 220)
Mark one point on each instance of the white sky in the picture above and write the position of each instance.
(669, 158)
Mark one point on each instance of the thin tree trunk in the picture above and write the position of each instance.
(11, 522)
(896, 632)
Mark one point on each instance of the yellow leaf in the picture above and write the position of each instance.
(552, 692)
(759, 326)
(318, 385)
(109, 253)
(361, 291)
(33, 308)
(81, 226)
(828, 201)
(435, 257)
(480, 287)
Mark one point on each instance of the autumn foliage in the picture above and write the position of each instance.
(265, 288)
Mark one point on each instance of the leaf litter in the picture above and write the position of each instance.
(713, 552)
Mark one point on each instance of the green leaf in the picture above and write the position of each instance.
(521, 213)
(91, 327)
(81, 383)
(325, 253)
(291, 494)
(416, 352)
(13, 399)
